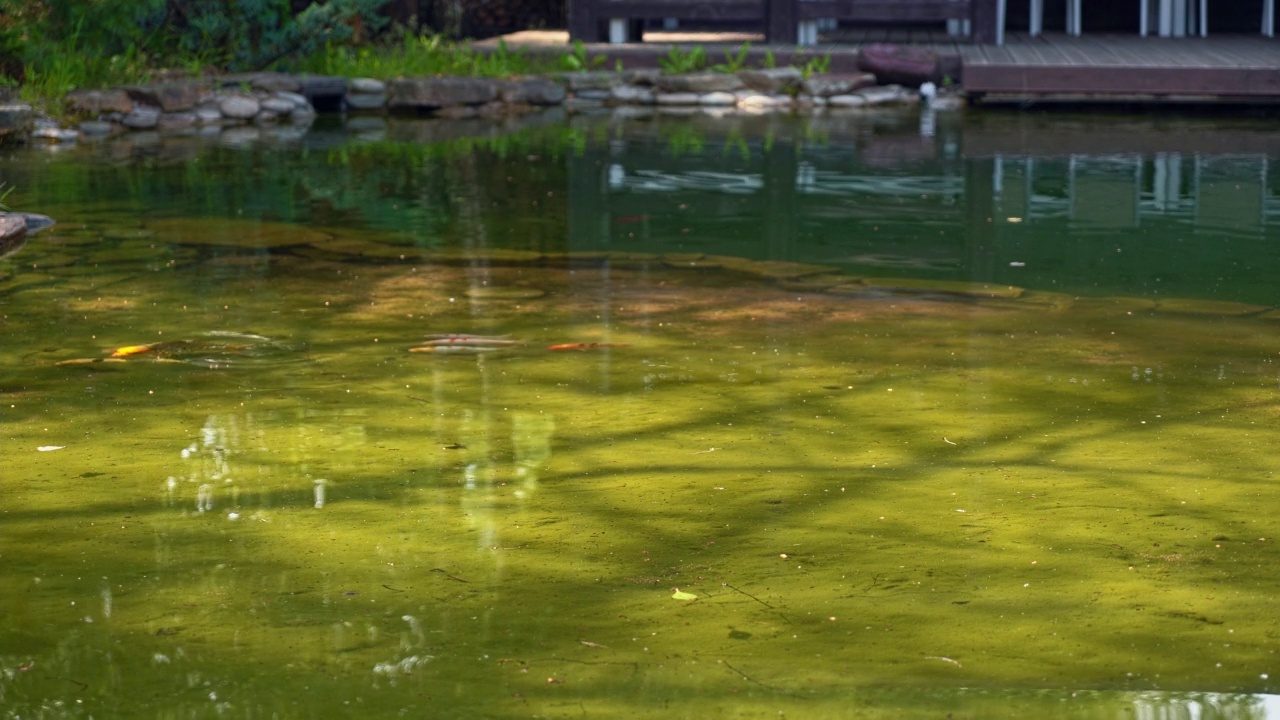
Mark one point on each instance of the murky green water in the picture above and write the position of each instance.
(1008, 452)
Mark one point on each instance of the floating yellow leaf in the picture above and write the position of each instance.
(681, 595)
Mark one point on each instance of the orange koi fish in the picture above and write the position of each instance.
(165, 346)
(587, 346)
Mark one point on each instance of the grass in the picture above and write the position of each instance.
(422, 57)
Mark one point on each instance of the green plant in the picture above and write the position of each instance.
(576, 60)
(676, 62)
(5, 190)
(816, 66)
(770, 60)
(733, 63)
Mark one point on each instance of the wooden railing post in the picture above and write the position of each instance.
(985, 18)
(782, 21)
(584, 24)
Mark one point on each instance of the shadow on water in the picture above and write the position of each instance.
(805, 394)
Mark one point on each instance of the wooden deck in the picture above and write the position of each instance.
(1224, 69)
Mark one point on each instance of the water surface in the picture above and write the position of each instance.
(873, 416)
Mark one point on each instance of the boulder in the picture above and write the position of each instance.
(700, 83)
(837, 84)
(677, 98)
(96, 102)
(592, 80)
(238, 107)
(901, 64)
(16, 120)
(439, 92)
(169, 97)
(632, 95)
(366, 101)
(143, 117)
(532, 91)
(772, 80)
(366, 86)
(269, 81)
(888, 95)
(13, 231)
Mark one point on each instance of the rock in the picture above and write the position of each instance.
(277, 105)
(632, 95)
(594, 94)
(176, 121)
(16, 120)
(269, 81)
(206, 115)
(838, 84)
(771, 80)
(439, 92)
(642, 76)
(846, 101)
(888, 95)
(366, 86)
(143, 117)
(98, 128)
(760, 101)
(169, 97)
(96, 102)
(676, 98)
(592, 80)
(238, 107)
(13, 233)
(533, 91)
(55, 134)
(366, 101)
(901, 64)
(265, 117)
(298, 100)
(700, 83)
(718, 99)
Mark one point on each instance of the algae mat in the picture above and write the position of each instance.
(726, 499)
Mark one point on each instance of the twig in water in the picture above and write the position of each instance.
(753, 597)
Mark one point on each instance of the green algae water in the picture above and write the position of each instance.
(851, 417)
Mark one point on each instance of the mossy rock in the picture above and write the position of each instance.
(496, 256)
(819, 283)
(600, 258)
(1113, 305)
(498, 292)
(1047, 300)
(770, 269)
(1208, 307)
(225, 232)
(360, 248)
(945, 287)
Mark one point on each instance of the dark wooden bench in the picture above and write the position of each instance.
(783, 21)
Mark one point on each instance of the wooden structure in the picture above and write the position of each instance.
(1223, 68)
(782, 21)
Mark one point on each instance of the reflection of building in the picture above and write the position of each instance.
(1051, 205)
(1218, 192)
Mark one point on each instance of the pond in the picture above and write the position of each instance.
(881, 415)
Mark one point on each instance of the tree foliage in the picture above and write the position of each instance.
(227, 34)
